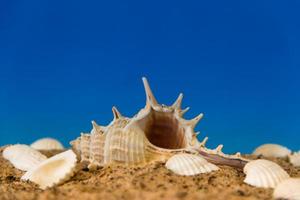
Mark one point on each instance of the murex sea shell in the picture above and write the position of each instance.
(189, 164)
(155, 133)
(288, 189)
(264, 173)
(23, 157)
(47, 144)
(272, 150)
(54, 170)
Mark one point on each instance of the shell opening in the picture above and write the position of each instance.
(163, 130)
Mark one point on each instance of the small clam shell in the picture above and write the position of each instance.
(189, 164)
(272, 150)
(47, 144)
(295, 159)
(23, 157)
(264, 173)
(288, 189)
(53, 171)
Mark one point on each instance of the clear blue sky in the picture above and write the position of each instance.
(65, 63)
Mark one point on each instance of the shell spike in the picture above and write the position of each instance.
(219, 148)
(177, 104)
(194, 122)
(204, 141)
(149, 95)
(182, 112)
(116, 113)
(238, 154)
(96, 126)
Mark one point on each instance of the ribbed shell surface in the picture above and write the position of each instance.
(264, 173)
(288, 189)
(47, 144)
(85, 147)
(23, 157)
(54, 170)
(272, 150)
(125, 146)
(97, 148)
(189, 164)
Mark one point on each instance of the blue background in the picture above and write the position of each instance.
(64, 63)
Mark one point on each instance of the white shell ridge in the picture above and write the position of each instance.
(264, 173)
(189, 164)
(23, 157)
(47, 144)
(54, 170)
(295, 159)
(272, 150)
(125, 146)
(288, 189)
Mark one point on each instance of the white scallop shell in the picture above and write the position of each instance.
(189, 164)
(53, 171)
(23, 157)
(288, 189)
(295, 159)
(47, 144)
(272, 150)
(264, 173)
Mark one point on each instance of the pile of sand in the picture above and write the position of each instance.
(151, 182)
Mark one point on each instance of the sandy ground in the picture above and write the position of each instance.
(150, 182)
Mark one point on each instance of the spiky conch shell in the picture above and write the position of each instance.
(189, 164)
(288, 189)
(264, 173)
(160, 132)
(272, 150)
(53, 171)
(155, 133)
(23, 157)
(47, 144)
(295, 159)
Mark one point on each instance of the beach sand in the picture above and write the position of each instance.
(153, 181)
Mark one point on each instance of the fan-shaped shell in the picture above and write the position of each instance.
(23, 157)
(47, 144)
(54, 170)
(189, 164)
(125, 146)
(272, 150)
(295, 159)
(288, 189)
(264, 173)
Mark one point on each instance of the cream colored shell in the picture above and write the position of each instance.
(295, 159)
(47, 144)
(23, 157)
(125, 146)
(264, 173)
(272, 150)
(97, 141)
(155, 133)
(189, 164)
(53, 171)
(288, 189)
